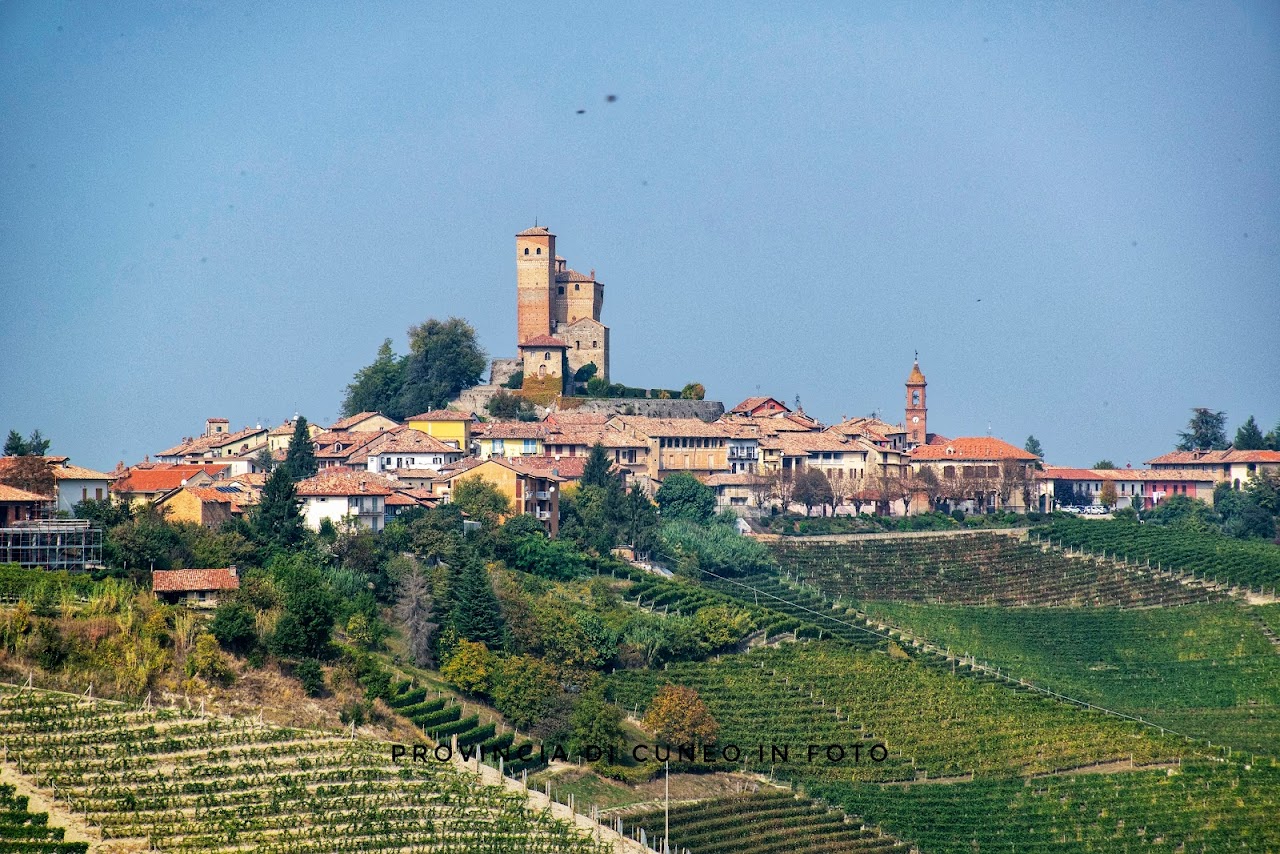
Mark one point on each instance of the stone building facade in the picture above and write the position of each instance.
(554, 300)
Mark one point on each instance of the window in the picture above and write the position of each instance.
(97, 493)
(531, 446)
(546, 357)
(539, 250)
(577, 287)
(499, 447)
(595, 344)
(84, 493)
(526, 250)
(560, 290)
(915, 397)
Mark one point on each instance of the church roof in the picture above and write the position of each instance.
(536, 231)
(916, 376)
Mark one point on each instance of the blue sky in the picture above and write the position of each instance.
(1070, 210)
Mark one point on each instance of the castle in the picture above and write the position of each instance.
(558, 328)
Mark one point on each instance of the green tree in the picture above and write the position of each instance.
(376, 387)
(233, 625)
(311, 676)
(1032, 446)
(306, 626)
(585, 373)
(597, 469)
(1206, 431)
(515, 381)
(300, 459)
(480, 499)
(277, 521)
(1249, 437)
(34, 445)
(1273, 438)
(474, 614)
(678, 716)
(263, 461)
(445, 358)
(469, 667)
(522, 688)
(1107, 495)
(595, 723)
(510, 406)
(1104, 464)
(693, 391)
(683, 496)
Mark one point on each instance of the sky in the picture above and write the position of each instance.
(1072, 211)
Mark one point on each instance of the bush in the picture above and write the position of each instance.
(516, 380)
(233, 626)
(958, 515)
(311, 676)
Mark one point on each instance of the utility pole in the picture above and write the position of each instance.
(666, 808)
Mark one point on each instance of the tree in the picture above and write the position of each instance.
(480, 499)
(469, 667)
(677, 716)
(683, 496)
(693, 391)
(515, 381)
(1206, 431)
(1273, 438)
(811, 487)
(233, 625)
(474, 613)
(597, 471)
(305, 627)
(444, 358)
(264, 461)
(277, 522)
(300, 459)
(34, 445)
(311, 676)
(522, 688)
(585, 373)
(504, 404)
(595, 723)
(1249, 437)
(1032, 446)
(1104, 464)
(1107, 495)
(30, 473)
(376, 388)
(414, 608)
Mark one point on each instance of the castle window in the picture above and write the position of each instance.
(915, 398)
(577, 345)
(539, 250)
(594, 345)
(546, 357)
(560, 290)
(526, 250)
(577, 287)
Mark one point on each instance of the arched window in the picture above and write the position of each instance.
(546, 357)
(915, 397)
(539, 250)
(526, 250)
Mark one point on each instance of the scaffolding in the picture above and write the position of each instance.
(59, 544)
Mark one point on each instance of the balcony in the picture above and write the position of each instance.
(542, 515)
(542, 495)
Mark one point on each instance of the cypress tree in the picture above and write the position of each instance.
(300, 459)
(596, 470)
(277, 521)
(475, 615)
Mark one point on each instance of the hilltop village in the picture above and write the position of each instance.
(759, 456)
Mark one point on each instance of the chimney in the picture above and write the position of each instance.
(232, 569)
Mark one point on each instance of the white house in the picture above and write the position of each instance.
(408, 449)
(338, 495)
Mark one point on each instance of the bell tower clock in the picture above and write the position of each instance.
(917, 411)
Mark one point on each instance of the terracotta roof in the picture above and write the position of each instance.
(406, 441)
(1066, 473)
(464, 466)
(12, 493)
(67, 471)
(566, 468)
(344, 482)
(515, 430)
(669, 426)
(162, 479)
(545, 341)
(804, 444)
(972, 448)
(193, 580)
(576, 419)
(400, 499)
(574, 276)
(916, 377)
(1211, 457)
(441, 415)
(741, 478)
(536, 231)
(351, 420)
(752, 403)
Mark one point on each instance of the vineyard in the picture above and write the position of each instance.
(28, 832)
(176, 781)
(1205, 670)
(933, 724)
(767, 823)
(977, 569)
(1197, 808)
(1246, 563)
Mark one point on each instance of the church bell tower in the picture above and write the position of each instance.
(917, 432)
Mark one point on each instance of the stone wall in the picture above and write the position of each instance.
(706, 410)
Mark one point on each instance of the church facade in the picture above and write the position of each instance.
(557, 309)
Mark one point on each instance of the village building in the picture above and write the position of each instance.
(364, 422)
(216, 443)
(510, 439)
(402, 449)
(198, 588)
(759, 407)
(980, 473)
(677, 444)
(19, 505)
(209, 506)
(451, 427)
(342, 495)
(532, 488)
(278, 438)
(1229, 466)
(140, 485)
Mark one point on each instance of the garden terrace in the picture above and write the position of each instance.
(932, 723)
(181, 782)
(766, 823)
(1207, 671)
(977, 569)
(1201, 806)
(1213, 557)
(28, 832)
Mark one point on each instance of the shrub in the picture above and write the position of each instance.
(311, 676)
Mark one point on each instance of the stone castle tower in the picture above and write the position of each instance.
(917, 411)
(555, 301)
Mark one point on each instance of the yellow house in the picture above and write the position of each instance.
(511, 439)
(452, 428)
(530, 489)
(280, 437)
(209, 506)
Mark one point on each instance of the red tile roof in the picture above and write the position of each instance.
(162, 479)
(193, 580)
(344, 482)
(536, 231)
(13, 494)
(352, 420)
(753, 403)
(972, 448)
(1212, 457)
(441, 415)
(573, 276)
(545, 341)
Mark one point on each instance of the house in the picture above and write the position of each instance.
(278, 438)
(341, 494)
(217, 442)
(73, 484)
(142, 485)
(18, 505)
(575, 437)
(336, 449)
(200, 588)
(543, 360)
(531, 488)
(736, 490)
(978, 474)
(510, 439)
(364, 422)
(402, 449)
(677, 444)
(209, 506)
(759, 407)
(1229, 466)
(450, 427)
